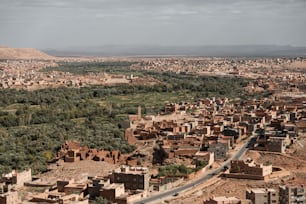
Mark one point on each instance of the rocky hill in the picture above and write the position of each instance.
(23, 53)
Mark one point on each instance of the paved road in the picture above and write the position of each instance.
(209, 174)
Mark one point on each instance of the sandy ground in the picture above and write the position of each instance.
(74, 170)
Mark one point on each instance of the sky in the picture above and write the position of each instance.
(57, 24)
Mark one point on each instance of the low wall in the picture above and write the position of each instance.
(171, 185)
(38, 184)
(244, 176)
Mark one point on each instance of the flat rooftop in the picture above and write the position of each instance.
(131, 170)
(223, 198)
(113, 186)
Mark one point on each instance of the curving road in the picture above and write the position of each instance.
(209, 174)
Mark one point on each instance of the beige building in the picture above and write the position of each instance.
(262, 196)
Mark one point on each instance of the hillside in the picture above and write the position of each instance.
(22, 53)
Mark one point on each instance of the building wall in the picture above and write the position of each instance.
(61, 185)
(274, 197)
(108, 194)
(276, 145)
(292, 194)
(239, 166)
(262, 196)
(9, 198)
(119, 190)
(267, 170)
(111, 193)
(131, 199)
(245, 176)
(132, 181)
(211, 159)
(257, 198)
(129, 136)
(133, 178)
(24, 176)
(68, 199)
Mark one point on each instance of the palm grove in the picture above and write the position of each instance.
(34, 124)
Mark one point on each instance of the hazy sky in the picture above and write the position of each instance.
(78, 23)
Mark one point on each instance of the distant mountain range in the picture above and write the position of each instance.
(217, 51)
(115, 50)
(22, 53)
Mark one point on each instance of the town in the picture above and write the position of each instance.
(190, 150)
(153, 102)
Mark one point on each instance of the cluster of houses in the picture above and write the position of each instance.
(122, 186)
(26, 74)
(283, 122)
(128, 184)
(285, 194)
(250, 68)
(22, 73)
(202, 135)
(214, 126)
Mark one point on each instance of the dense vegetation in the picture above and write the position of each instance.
(201, 86)
(179, 169)
(174, 170)
(78, 68)
(33, 124)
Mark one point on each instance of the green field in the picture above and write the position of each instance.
(150, 102)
